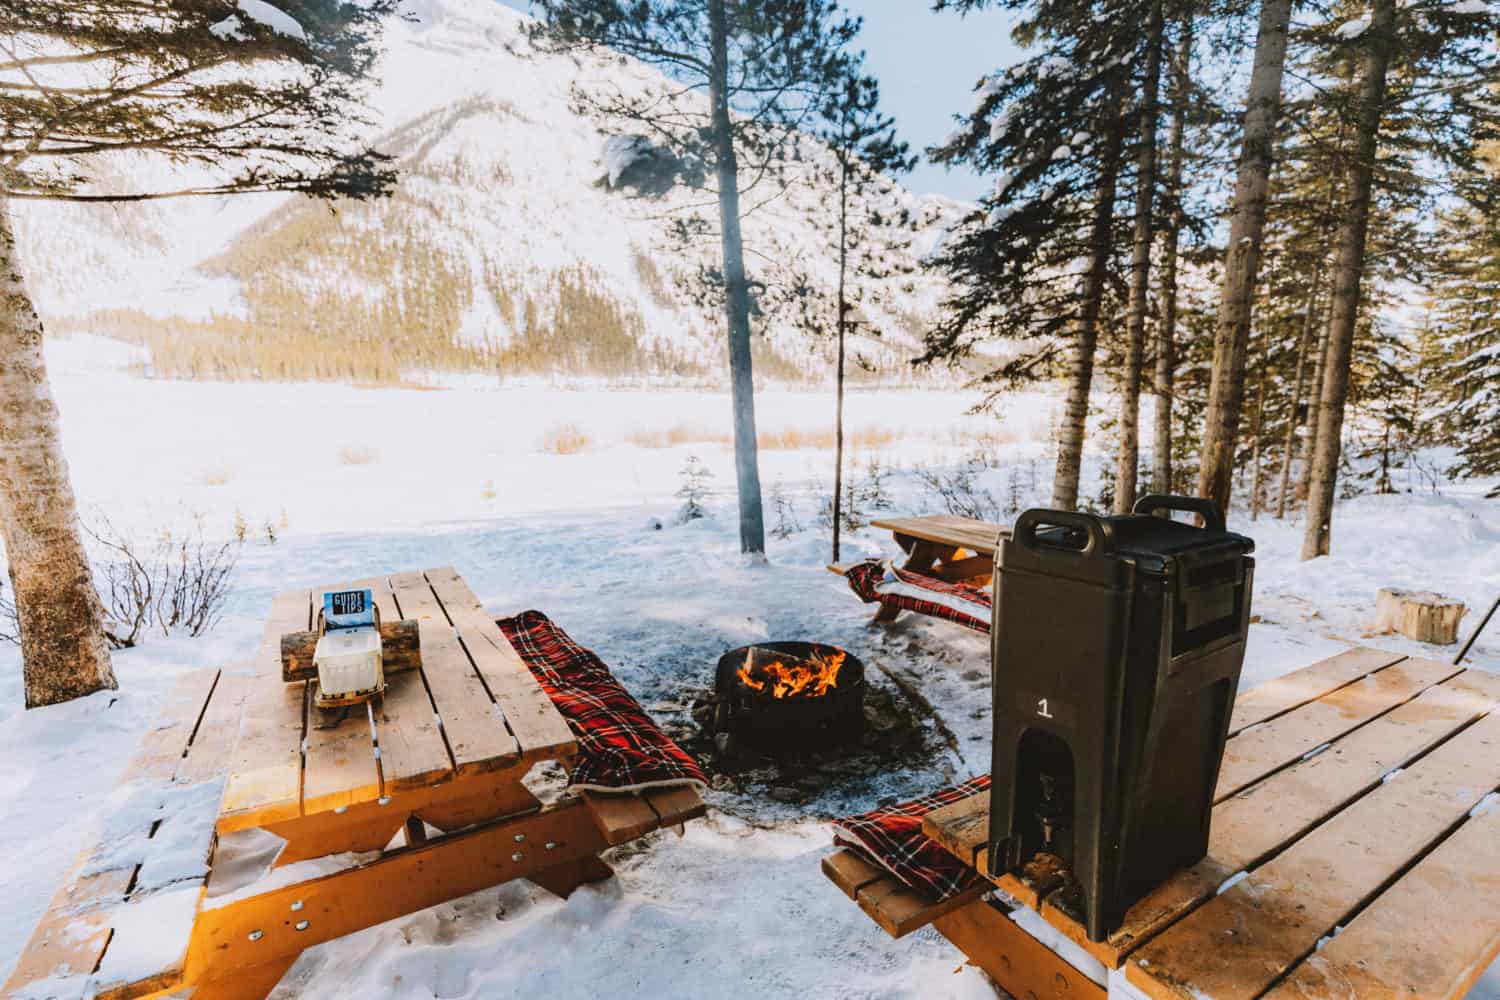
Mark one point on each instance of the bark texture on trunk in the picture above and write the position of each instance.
(62, 628)
(1314, 405)
(1226, 392)
(1127, 461)
(1166, 334)
(737, 293)
(1347, 272)
(1081, 375)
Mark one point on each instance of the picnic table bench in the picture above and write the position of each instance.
(1355, 852)
(959, 550)
(421, 793)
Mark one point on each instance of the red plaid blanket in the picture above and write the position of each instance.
(892, 837)
(877, 580)
(620, 747)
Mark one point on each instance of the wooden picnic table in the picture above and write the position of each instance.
(445, 749)
(1353, 854)
(956, 549)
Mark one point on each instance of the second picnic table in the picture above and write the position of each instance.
(951, 548)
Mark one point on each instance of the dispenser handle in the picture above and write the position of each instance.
(1213, 519)
(1101, 539)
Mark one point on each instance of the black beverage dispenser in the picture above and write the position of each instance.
(1115, 653)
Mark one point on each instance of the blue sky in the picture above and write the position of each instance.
(927, 65)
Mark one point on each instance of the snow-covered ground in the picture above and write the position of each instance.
(550, 498)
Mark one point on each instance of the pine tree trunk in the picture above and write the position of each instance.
(1128, 458)
(62, 629)
(1166, 337)
(1315, 403)
(1257, 426)
(838, 422)
(1081, 376)
(1347, 273)
(737, 292)
(1289, 440)
(1231, 341)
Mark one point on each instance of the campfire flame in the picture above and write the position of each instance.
(804, 678)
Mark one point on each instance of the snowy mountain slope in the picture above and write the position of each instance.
(504, 246)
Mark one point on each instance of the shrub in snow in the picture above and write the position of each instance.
(694, 490)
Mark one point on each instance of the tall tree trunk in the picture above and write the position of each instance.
(1128, 458)
(737, 292)
(1231, 341)
(1315, 402)
(1299, 387)
(62, 629)
(1258, 424)
(1166, 335)
(838, 421)
(1349, 269)
(1081, 376)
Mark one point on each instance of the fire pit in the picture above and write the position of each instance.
(788, 696)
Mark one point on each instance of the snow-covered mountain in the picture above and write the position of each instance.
(514, 241)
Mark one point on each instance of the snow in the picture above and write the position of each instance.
(152, 939)
(572, 534)
(1353, 29)
(260, 12)
(1470, 7)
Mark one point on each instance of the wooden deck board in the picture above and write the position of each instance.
(1283, 694)
(1390, 950)
(472, 726)
(1255, 752)
(1239, 943)
(341, 767)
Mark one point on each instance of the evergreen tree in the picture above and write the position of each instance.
(1421, 61)
(765, 66)
(1466, 302)
(866, 152)
(1033, 266)
(243, 101)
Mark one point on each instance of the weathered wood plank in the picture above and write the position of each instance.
(1258, 751)
(265, 768)
(341, 766)
(980, 537)
(1391, 949)
(213, 743)
(620, 818)
(963, 829)
(1018, 962)
(899, 910)
(1243, 940)
(850, 872)
(1281, 695)
(675, 806)
(536, 724)
(472, 726)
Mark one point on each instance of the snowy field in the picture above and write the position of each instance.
(551, 499)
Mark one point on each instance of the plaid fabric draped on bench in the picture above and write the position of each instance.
(884, 582)
(620, 747)
(892, 838)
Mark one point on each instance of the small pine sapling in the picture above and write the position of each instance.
(693, 490)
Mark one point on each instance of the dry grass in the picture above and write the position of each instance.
(564, 439)
(358, 454)
(217, 476)
(799, 438)
(671, 437)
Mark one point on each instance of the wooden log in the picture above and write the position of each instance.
(400, 649)
(1420, 615)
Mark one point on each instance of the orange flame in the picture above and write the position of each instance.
(808, 678)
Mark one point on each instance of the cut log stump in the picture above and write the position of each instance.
(1420, 615)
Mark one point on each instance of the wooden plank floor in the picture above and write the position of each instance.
(1356, 794)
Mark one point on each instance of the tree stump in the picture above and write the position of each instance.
(1419, 614)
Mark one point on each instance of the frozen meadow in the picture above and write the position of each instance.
(564, 500)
